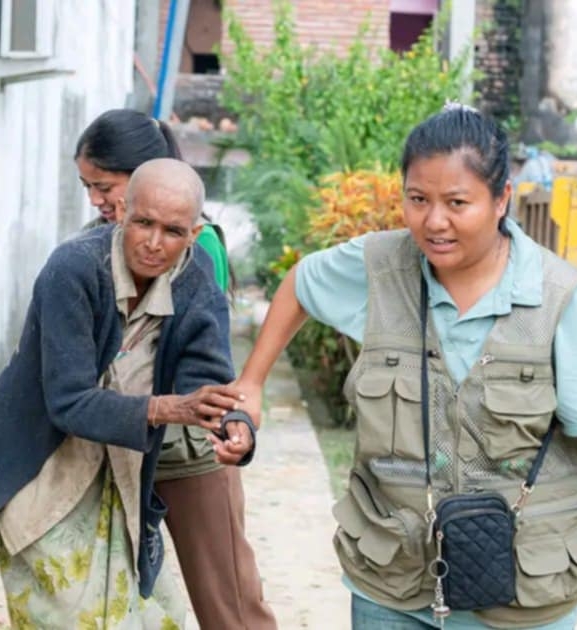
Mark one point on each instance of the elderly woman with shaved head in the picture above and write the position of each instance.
(126, 332)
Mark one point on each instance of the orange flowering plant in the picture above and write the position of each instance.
(346, 204)
(353, 203)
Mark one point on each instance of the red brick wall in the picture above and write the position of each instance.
(323, 23)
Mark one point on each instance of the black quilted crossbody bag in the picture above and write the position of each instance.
(474, 534)
(475, 563)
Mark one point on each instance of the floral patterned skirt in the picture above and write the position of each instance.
(79, 576)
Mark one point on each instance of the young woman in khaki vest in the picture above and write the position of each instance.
(502, 357)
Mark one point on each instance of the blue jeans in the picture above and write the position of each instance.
(366, 615)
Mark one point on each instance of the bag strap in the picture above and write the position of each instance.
(425, 380)
(528, 484)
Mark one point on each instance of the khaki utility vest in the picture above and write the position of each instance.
(484, 436)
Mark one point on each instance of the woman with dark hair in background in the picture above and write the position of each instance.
(205, 500)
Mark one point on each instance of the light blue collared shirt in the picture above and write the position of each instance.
(331, 285)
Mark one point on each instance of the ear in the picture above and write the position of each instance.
(120, 210)
(194, 233)
(503, 201)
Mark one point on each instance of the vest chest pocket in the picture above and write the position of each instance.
(519, 414)
(375, 413)
(389, 415)
(408, 441)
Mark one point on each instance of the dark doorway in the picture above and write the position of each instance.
(203, 35)
(203, 63)
(406, 28)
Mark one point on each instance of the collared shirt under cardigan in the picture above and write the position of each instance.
(74, 304)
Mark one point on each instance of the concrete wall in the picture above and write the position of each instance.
(40, 120)
(547, 87)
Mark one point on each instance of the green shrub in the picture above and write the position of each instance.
(304, 114)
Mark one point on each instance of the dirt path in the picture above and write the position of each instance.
(289, 517)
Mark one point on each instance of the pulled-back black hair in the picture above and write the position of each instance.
(121, 140)
(483, 143)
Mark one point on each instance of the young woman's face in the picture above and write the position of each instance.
(104, 188)
(451, 212)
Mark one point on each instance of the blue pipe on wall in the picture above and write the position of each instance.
(164, 61)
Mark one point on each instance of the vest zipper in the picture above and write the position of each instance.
(486, 358)
(457, 433)
(411, 483)
(490, 358)
(559, 507)
(498, 485)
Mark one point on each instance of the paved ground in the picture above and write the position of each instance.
(289, 512)
(288, 506)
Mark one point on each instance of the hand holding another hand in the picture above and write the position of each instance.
(237, 440)
(236, 444)
(204, 407)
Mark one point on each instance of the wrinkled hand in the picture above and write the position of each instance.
(232, 449)
(206, 406)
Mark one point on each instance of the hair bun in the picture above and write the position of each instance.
(450, 106)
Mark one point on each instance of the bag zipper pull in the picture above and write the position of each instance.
(439, 569)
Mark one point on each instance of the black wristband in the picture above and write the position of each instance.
(240, 416)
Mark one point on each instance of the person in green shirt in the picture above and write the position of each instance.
(212, 242)
(205, 500)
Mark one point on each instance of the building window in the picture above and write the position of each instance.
(26, 30)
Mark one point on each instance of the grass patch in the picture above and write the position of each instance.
(337, 442)
(337, 445)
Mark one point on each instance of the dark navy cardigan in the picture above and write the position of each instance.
(71, 334)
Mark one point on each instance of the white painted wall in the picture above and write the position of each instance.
(461, 35)
(41, 199)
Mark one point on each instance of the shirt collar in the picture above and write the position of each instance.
(521, 284)
(157, 301)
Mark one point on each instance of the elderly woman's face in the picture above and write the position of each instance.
(158, 227)
(451, 212)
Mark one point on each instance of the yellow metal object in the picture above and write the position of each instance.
(563, 212)
(523, 188)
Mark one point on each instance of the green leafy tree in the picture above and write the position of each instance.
(305, 113)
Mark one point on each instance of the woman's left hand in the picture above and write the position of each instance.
(232, 449)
